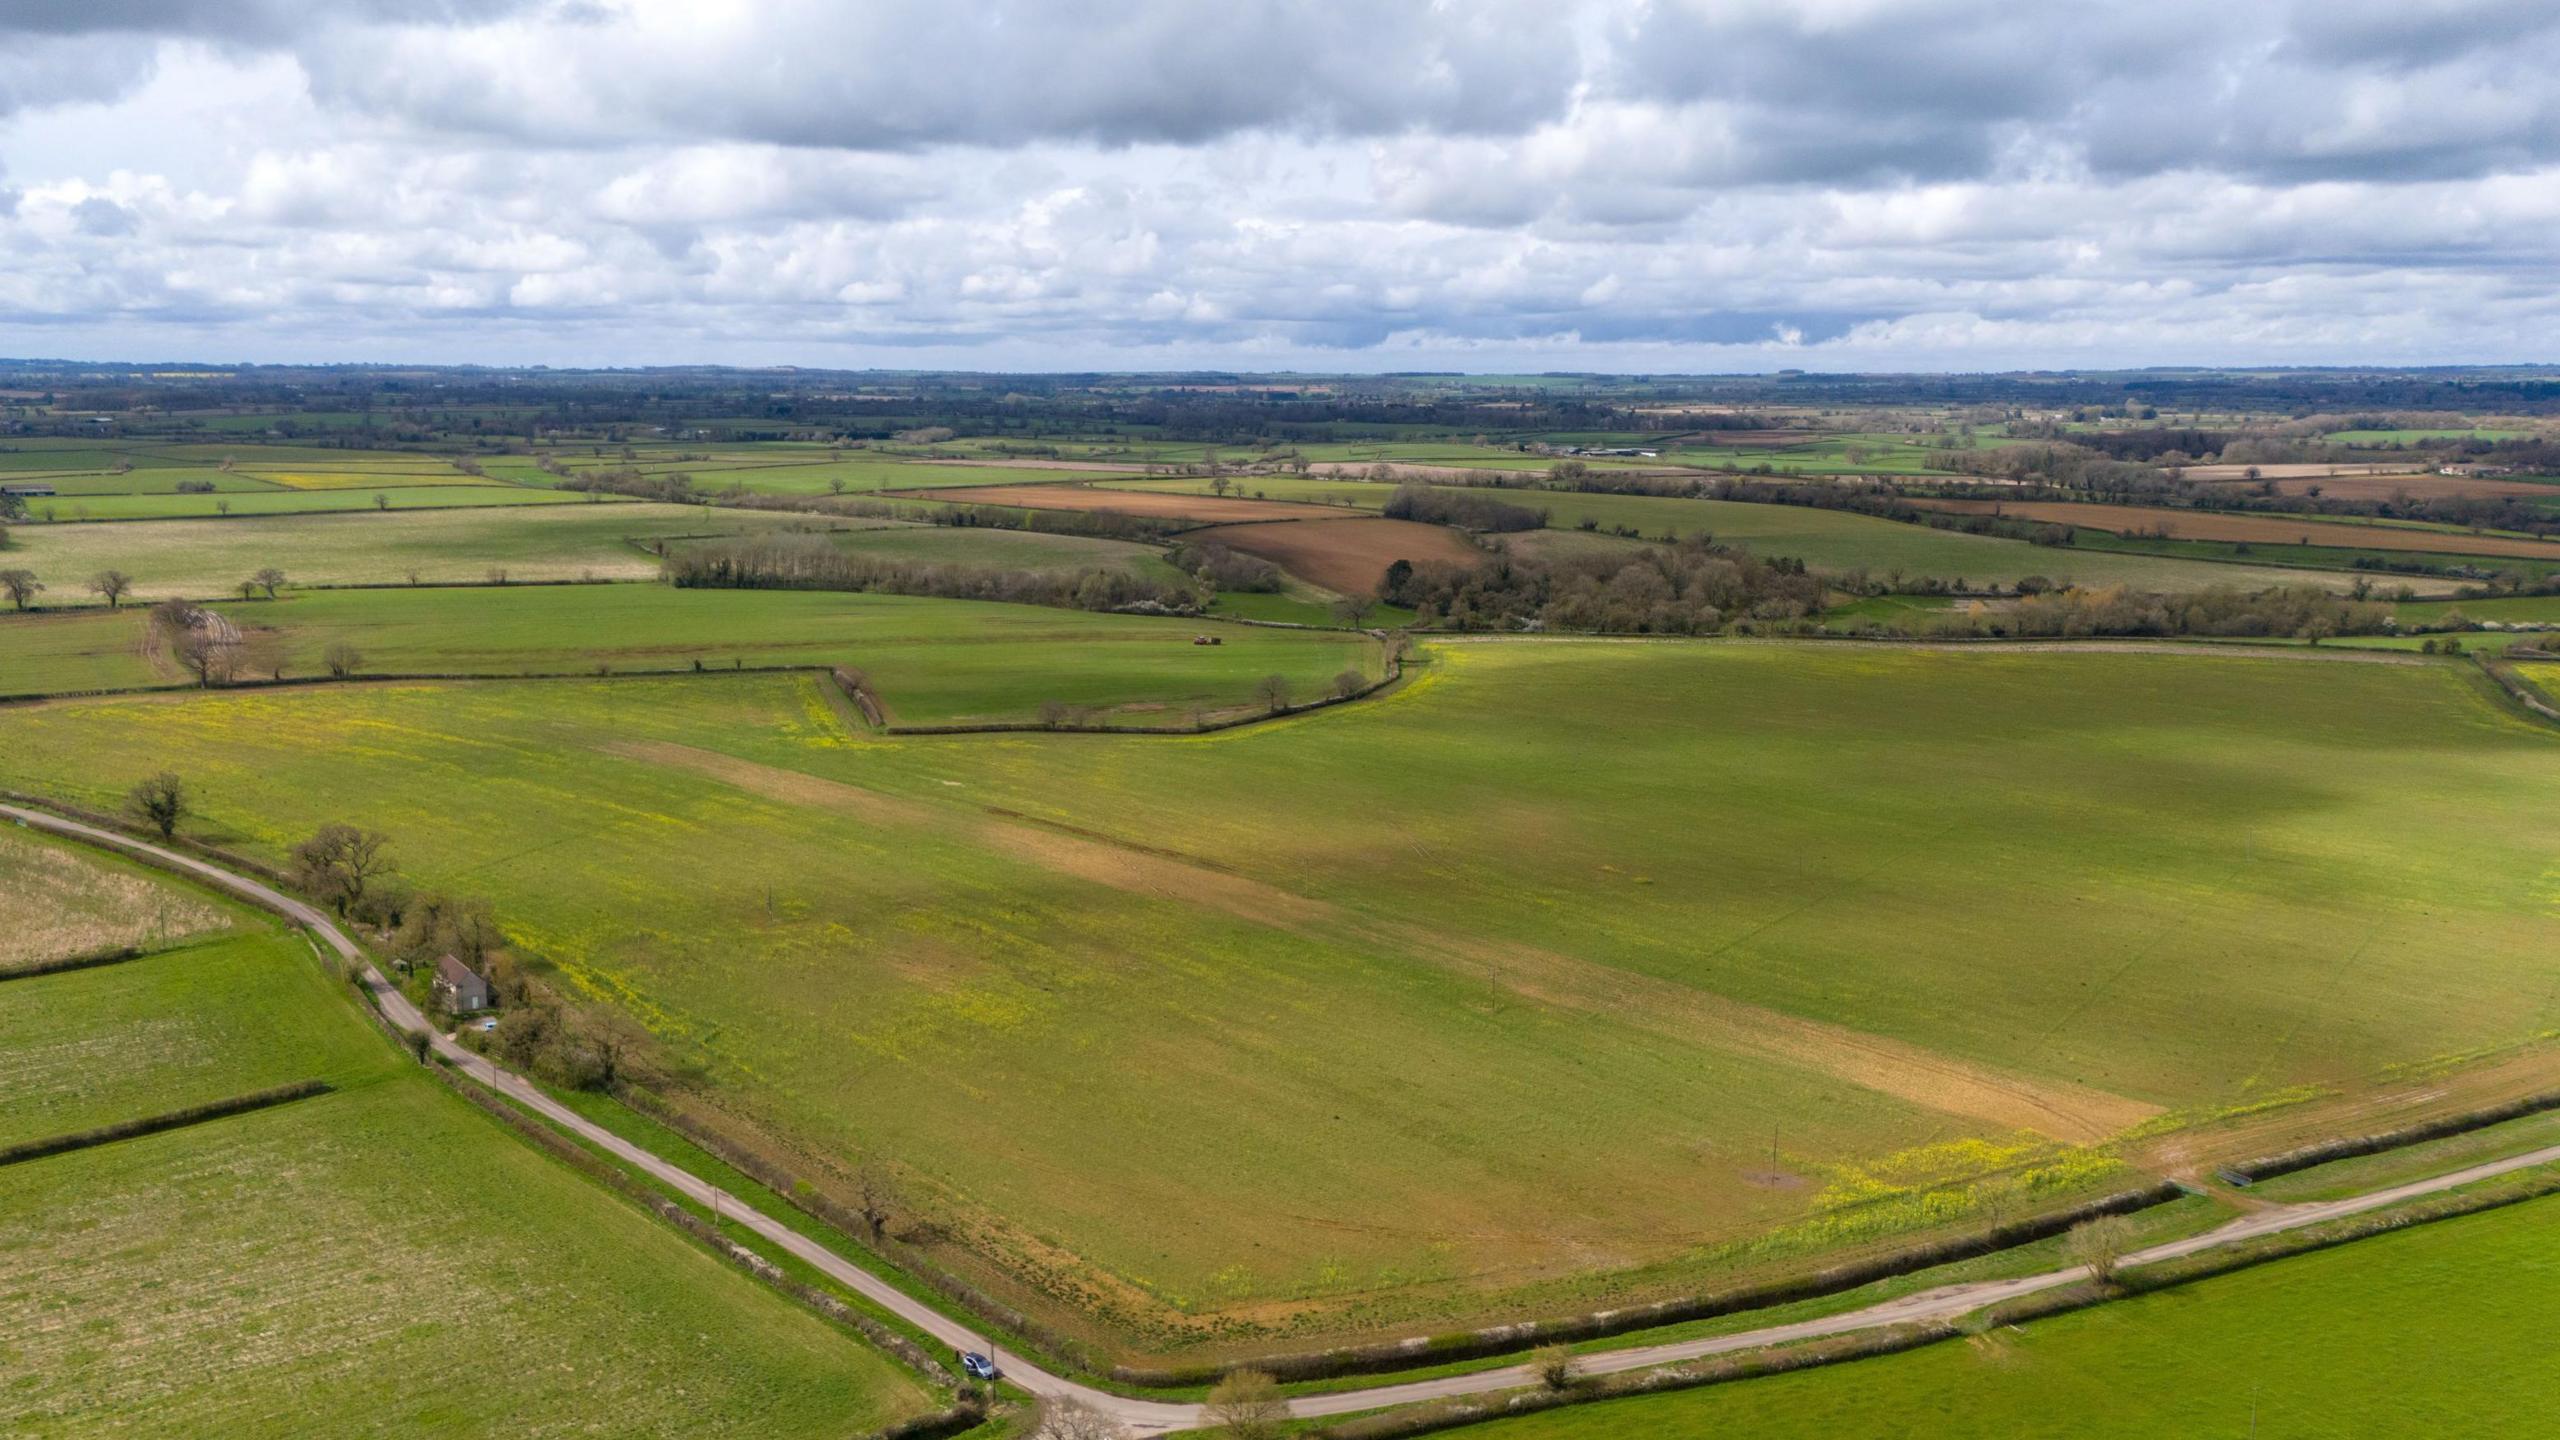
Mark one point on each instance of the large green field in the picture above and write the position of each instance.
(381, 1260)
(1327, 1024)
(177, 1028)
(2431, 1331)
(1834, 541)
(200, 558)
(396, 494)
(930, 661)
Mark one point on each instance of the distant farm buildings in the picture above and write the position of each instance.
(27, 489)
(1614, 452)
(2475, 469)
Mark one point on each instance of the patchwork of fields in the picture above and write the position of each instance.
(1835, 541)
(1831, 947)
(382, 1255)
(929, 661)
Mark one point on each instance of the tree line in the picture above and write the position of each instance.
(812, 562)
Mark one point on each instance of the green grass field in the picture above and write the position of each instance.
(177, 1028)
(392, 1261)
(982, 547)
(202, 558)
(383, 1256)
(1825, 947)
(239, 503)
(815, 475)
(930, 661)
(1835, 541)
(56, 903)
(2414, 1334)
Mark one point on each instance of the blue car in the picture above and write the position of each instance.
(980, 1367)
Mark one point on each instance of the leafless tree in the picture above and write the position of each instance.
(269, 580)
(1248, 1405)
(876, 1197)
(111, 584)
(381, 501)
(161, 802)
(1273, 692)
(342, 659)
(1352, 609)
(1067, 1418)
(1553, 1365)
(1348, 684)
(339, 861)
(21, 586)
(2100, 1244)
(205, 656)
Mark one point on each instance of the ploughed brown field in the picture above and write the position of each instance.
(2429, 486)
(2255, 529)
(1346, 556)
(1208, 508)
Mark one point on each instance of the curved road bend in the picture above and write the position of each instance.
(1155, 1416)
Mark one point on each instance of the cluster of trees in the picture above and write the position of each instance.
(1221, 568)
(2302, 612)
(811, 562)
(1690, 587)
(1416, 501)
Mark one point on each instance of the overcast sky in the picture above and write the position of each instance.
(1696, 185)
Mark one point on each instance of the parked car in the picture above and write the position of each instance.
(979, 1366)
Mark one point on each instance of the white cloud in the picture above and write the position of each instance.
(1656, 184)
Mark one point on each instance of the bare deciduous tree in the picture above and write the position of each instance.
(339, 861)
(161, 802)
(269, 579)
(1272, 691)
(1348, 684)
(1352, 609)
(875, 1195)
(22, 586)
(113, 585)
(2100, 1244)
(1553, 1365)
(1067, 1418)
(342, 659)
(205, 656)
(1247, 1405)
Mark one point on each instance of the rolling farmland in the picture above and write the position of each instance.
(243, 1274)
(1880, 969)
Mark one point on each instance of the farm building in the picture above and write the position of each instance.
(26, 489)
(460, 987)
(2474, 470)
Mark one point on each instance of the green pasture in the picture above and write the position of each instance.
(182, 1027)
(2369, 564)
(930, 661)
(203, 558)
(1834, 541)
(389, 1259)
(984, 547)
(1264, 1070)
(817, 476)
(71, 509)
(2411, 1334)
(87, 483)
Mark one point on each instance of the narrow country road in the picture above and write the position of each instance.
(1155, 1416)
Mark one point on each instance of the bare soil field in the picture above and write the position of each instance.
(2255, 529)
(1346, 555)
(1208, 508)
(2428, 486)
